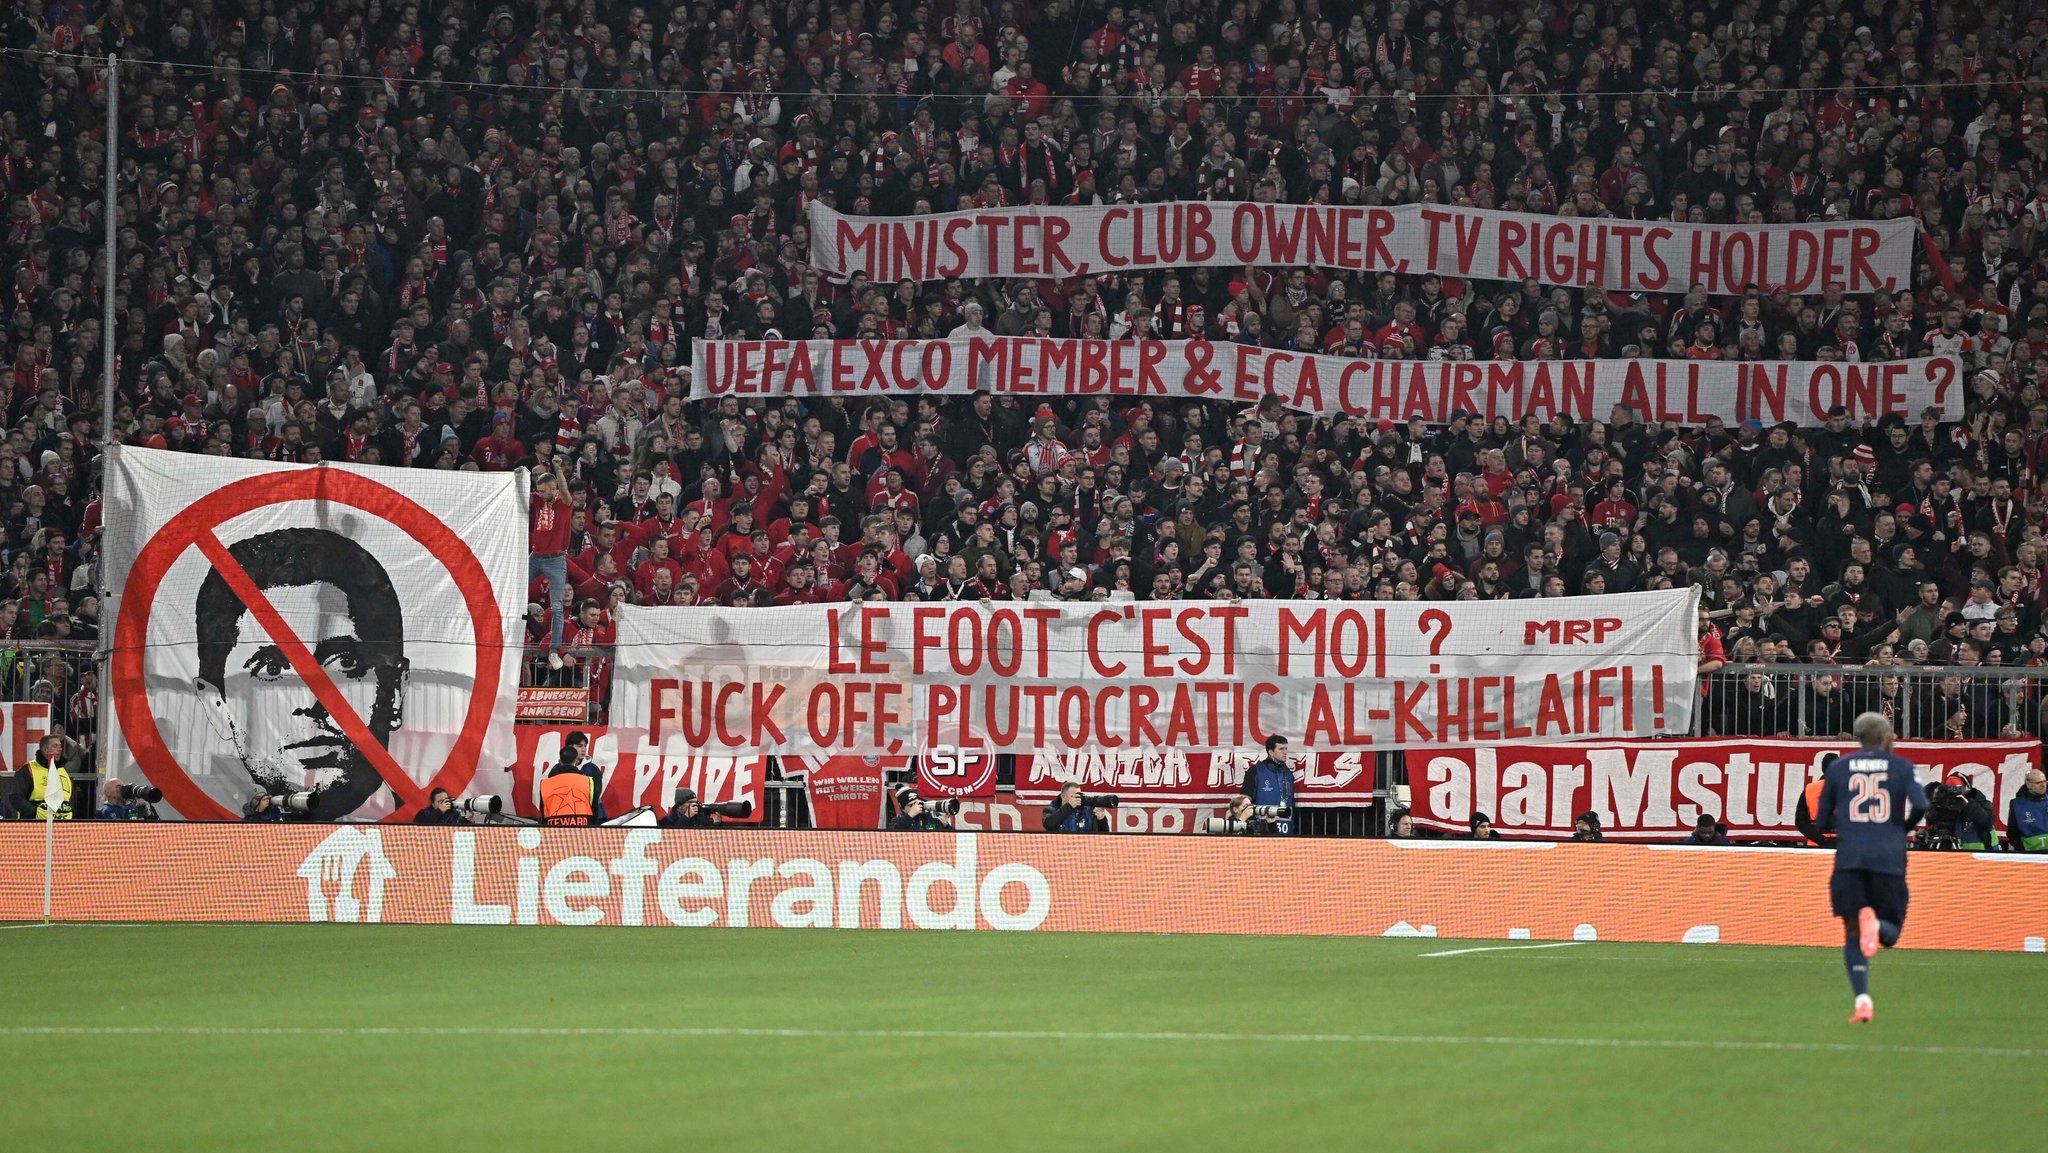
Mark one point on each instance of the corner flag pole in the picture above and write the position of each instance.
(109, 213)
(50, 804)
(109, 273)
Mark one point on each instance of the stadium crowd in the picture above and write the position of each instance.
(436, 235)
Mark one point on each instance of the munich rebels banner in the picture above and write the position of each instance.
(1687, 391)
(634, 775)
(1485, 244)
(1193, 776)
(993, 881)
(1658, 790)
(1080, 678)
(288, 627)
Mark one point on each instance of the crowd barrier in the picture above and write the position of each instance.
(644, 876)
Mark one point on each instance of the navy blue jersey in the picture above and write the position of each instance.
(1869, 799)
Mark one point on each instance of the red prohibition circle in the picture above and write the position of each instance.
(131, 632)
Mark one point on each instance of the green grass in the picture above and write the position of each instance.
(355, 1089)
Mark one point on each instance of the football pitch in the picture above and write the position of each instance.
(343, 1037)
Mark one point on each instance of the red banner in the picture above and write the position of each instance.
(944, 771)
(636, 775)
(1657, 791)
(845, 791)
(23, 725)
(1006, 813)
(1199, 777)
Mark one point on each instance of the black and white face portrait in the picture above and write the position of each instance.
(338, 602)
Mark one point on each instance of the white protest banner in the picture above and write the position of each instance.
(1576, 252)
(1650, 791)
(283, 628)
(1057, 678)
(1688, 391)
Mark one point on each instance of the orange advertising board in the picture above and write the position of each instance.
(649, 876)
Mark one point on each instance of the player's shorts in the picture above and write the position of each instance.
(1852, 889)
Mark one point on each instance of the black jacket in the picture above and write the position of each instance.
(1087, 820)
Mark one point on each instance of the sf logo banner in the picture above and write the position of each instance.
(950, 771)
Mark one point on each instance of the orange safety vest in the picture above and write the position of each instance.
(566, 799)
(1813, 804)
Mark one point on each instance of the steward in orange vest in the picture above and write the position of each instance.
(567, 796)
(1807, 815)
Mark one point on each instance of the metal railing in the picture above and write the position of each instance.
(53, 672)
(1949, 702)
(588, 670)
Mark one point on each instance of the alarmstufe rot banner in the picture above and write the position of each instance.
(909, 678)
(1687, 391)
(1657, 790)
(1485, 244)
(283, 627)
(1016, 882)
(636, 775)
(1170, 776)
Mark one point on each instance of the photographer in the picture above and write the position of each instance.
(687, 813)
(1238, 819)
(1958, 816)
(261, 808)
(1708, 831)
(119, 802)
(440, 810)
(2026, 816)
(914, 816)
(1270, 785)
(1074, 813)
(1587, 828)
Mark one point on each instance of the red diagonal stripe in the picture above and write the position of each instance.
(309, 669)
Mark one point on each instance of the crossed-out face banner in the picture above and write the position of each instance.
(283, 628)
(1658, 390)
(913, 678)
(1038, 882)
(1658, 790)
(1485, 244)
(635, 775)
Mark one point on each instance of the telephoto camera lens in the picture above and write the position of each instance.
(490, 806)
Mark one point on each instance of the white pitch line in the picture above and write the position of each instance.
(691, 1032)
(1502, 949)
